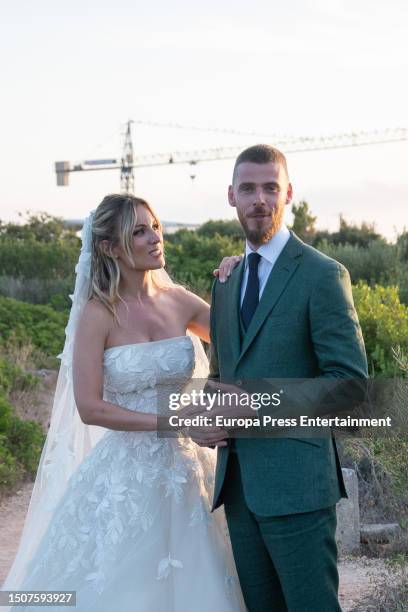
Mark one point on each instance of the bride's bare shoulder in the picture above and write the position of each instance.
(179, 294)
(187, 299)
(96, 316)
(95, 307)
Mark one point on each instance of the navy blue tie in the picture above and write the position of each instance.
(251, 297)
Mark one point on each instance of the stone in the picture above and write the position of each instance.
(348, 516)
(381, 533)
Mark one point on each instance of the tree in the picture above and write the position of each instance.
(402, 246)
(349, 233)
(230, 228)
(38, 227)
(303, 221)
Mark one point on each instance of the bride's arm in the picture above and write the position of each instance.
(197, 313)
(199, 318)
(89, 346)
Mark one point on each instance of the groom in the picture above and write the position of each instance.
(286, 312)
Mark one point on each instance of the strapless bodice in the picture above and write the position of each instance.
(141, 376)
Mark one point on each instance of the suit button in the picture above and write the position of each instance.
(239, 382)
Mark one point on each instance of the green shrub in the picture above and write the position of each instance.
(380, 460)
(191, 258)
(377, 263)
(40, 325)
(39, 227)
(39, 290)
(21, 443)
(384, 322)
(402, 282)
(402, 246)
(30, 259)
(12, 377)
(10, 470)
(26, 439)
(231, 229)
(360, 235)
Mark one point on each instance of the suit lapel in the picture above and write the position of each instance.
(282, 271)
(235, 296)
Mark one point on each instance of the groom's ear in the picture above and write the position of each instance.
(231, 198)
(289, 193)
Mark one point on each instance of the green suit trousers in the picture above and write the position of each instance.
(285, 563)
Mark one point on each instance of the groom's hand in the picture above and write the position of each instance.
(208, 436)
(203, 435)
(213, 439)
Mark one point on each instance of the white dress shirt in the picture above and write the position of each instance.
(269, 253)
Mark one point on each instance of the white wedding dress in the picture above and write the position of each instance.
(133, 532)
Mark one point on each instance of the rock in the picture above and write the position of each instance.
(48, 377)
(348, 516)
(381, 533)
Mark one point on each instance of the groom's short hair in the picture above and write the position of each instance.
(260, 154)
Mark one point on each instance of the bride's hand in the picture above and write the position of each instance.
(226, 267)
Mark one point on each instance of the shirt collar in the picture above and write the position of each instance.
(270, 248)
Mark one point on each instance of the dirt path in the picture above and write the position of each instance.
(356, 579)
(354, 572)
(12, 516)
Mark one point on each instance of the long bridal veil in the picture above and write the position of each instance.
(69, 440)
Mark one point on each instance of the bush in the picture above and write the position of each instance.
(38, 261)
(39, 227)
(39, 291)
(377, 263)
(10, 471)
(12, 377)
(381, 467)
(384, 322)
(191, 258)
(231, 229)
(26, 439)
(21, 443)
(402, 282)
(359, 235)
(40, 325)
(29, 259)
(380, 461)
(402, 246)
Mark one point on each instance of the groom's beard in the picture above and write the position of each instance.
(263, 233)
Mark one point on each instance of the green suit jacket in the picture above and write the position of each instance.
(305, 326)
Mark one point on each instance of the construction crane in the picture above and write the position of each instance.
(128, 161)
(125, 164)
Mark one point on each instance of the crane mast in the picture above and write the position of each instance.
(127, 176)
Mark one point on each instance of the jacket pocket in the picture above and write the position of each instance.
(283, 318)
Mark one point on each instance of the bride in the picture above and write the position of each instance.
(118, 514)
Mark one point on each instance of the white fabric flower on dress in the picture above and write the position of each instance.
(165, 566)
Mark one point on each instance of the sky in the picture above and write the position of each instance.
(74, 73)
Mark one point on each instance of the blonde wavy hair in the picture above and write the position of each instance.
(114, 221)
